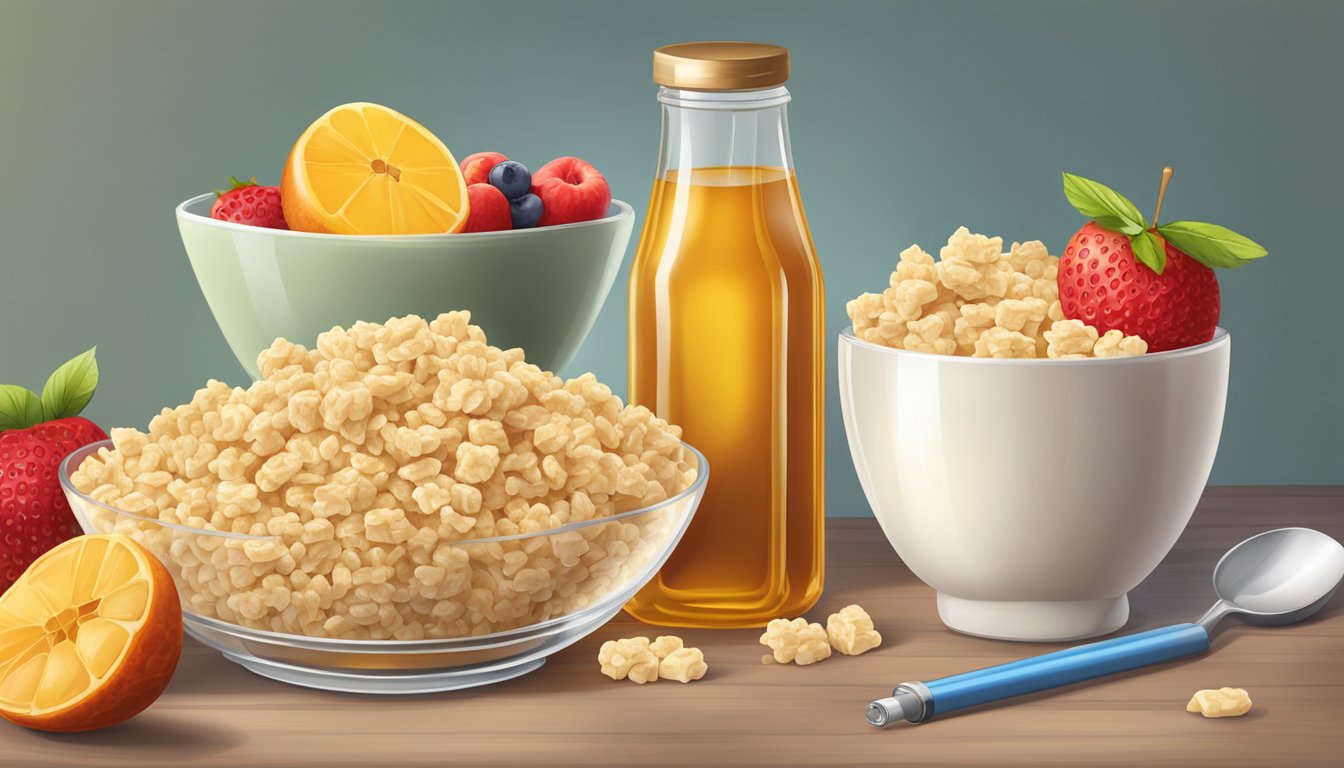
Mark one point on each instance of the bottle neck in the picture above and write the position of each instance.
(724, 129)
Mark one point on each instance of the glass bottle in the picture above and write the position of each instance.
(727, 339)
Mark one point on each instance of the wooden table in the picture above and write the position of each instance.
(566, 713)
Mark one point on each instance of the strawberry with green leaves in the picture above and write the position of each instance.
(247, 202)
(1154, 281)
(36, 433)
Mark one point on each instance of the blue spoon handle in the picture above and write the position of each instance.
(1053, 670)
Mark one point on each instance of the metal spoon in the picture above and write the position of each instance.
(1273, 578)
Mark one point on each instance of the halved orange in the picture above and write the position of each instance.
(364, 169)
(90, 635)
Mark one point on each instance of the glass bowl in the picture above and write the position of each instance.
(596, 566)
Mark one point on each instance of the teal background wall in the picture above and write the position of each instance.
(909, 119)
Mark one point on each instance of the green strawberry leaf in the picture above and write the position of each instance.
(1103, 205)
(19, 408)
(1148, 249)
(235, 184)
(1211, 245)
(70, 387)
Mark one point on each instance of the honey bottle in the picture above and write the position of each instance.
(727, 339)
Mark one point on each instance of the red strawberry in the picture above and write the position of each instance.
(1157, 282)
(570, 190)
(488, 209)
(35, 435)
(249, 203)
(1102, 284)
(476, 168)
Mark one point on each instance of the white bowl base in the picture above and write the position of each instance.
(1033, 621)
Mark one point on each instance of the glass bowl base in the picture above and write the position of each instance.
(389, 683)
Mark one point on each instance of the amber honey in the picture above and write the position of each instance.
(727, 341)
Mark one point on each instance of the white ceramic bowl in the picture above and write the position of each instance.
(1033, 494)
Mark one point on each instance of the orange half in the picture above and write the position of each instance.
(90, 635)
(364, 169)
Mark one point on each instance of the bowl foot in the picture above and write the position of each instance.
(347, 681)
(1035, 621)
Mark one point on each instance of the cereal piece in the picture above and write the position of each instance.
(683, 665)
(970, 265)
(1114, 343)
(1223, 702)
(911, 296)
(1005, 344)
(926, 335)
(975, 319)
(665, 644)
(1018, 314)
(796, 641)
(628, 658)
(1070, 339)
(360, 467)
(915, 264)
(850, 631)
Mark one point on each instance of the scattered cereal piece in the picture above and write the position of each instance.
(639, 660)
(851, 632)
(979, 301)
(629, 658)
(683, 665)
(1223, 702)
(665, 645)
(796, 641)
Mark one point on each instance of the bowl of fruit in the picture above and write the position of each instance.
(375, 217)
(1033, 432)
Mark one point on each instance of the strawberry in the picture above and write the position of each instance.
(35, 435)
(1117, 272)
(247, 202)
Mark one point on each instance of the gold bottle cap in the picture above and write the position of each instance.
(721, 66)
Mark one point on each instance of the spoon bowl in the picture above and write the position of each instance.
(1278, 577)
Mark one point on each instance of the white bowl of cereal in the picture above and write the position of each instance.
(402, 509)
(1032, 494)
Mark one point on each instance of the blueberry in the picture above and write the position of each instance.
(525, 211)
(512, 178)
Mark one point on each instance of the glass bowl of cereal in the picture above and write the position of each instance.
(1029, 469)
(403, 508)
(538, 593)
(539, 289)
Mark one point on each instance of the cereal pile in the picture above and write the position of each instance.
(640, 661)
(979, 301)
(366, 464)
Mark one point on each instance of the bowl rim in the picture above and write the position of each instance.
(470, 642)
(623, 211)
(1221, 337)
(83, 452)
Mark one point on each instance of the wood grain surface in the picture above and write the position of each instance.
(744, 713)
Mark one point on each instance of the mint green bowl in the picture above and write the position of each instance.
(539, 289)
